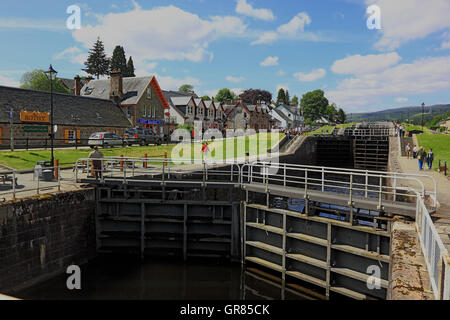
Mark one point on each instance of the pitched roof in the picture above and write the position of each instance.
(209, 104)
(132, 88)
(180, 101)
(70, 83)
(68, 109)
(282, 115)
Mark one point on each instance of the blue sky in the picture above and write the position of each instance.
(301, 45)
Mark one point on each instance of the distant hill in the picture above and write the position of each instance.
(401, 114)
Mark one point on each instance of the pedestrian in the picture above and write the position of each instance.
(96, 155)
(430, 159)
(288, 134)
(205, 150)
(421, 155)
(415, 152)
(408, 150)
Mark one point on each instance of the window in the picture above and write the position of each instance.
(154, 111)
(149, 93)
(129, 112)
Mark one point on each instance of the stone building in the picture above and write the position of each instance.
(76, 118)
(141, 98)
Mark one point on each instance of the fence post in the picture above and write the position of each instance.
(145, 160)
(121, 163)
(56, 169)
(14, 185)
(323, 179)
(395, 186)
(59, 177)
(445, 168)
(165, 159)
(380, 193)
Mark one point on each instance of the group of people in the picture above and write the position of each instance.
(401, 130)
(420, 154)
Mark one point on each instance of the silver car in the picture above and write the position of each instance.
(105, 139)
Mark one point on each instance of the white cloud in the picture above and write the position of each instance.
(425, 75)
(234, 79)
(266, 37)
(358, 64)
(293, 30)
(242, 7)
(295, 25)
(406, 20)
(281, 86)
(170, 83)
(401, 100)
(269, 61)
(314, 75)
(73, 54)
(9, 82)
(180, 35)
(281, 73)
(445, 45)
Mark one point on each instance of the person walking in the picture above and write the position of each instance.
(430, 159)
(205, 150)
(408, 150)
(421, 155)
(96, 163)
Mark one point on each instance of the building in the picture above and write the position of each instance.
(182, 109)
(445, 123)
(141, 98)
(75, 84)
(75, 117)
(293, 113)
(281, 120)
(244, 116)
(211, 114)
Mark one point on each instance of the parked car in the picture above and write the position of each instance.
(106, 139)
(141, 136)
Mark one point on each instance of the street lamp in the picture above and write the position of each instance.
(423, 109)
(51, 74)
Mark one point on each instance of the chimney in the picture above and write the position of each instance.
(116, 92)
(77, 89)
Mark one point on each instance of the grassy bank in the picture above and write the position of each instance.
(27, 159)
(440, 143)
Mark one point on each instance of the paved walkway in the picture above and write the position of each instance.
(442, 216)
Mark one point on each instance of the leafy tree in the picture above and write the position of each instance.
(252, 96)
(224, 94)
(342, 117)
(330, 112)
(295, 100)
(38, 80)
(97, 63)
(287, 99)
(119, 61)
(281, 96)
(206, 98)
(186, 88)
(130, 68)
(314, 104)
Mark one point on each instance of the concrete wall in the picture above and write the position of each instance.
(40, 238)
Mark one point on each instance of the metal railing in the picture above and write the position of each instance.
(35, 182)
(436, 255)
(163, 170)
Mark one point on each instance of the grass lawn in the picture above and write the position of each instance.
(409, 127)
(27, 159)
(346, 125)
(440, 143)
(323, 130)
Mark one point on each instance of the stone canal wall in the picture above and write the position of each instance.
(41, 237)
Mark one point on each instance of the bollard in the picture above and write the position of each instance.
(121, 163)
(165, 159)
(145, 160)
(445, 168)
(56, 168)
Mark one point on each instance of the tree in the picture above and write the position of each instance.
(252, 96)
(186, 88)
(281, 96)
(331, 112)
(119, 61)
(206, 98)
(342, 117)
(224, 94)
(38, 80)
(287, 99)
(295, 100)
(97, 63)
(313, 105)
(130, 68)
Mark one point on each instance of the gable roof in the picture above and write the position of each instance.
(132, 87)
(68, 109)
(70, 83)
(209, 104)
(282, 115)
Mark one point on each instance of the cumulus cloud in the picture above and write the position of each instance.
(180, 35)
(406, 20)
(358, 64)
(244, 8)
(425, 75)
(294, 29)
(314, 75)
(234, 79)
(269, 61)
(9, 82)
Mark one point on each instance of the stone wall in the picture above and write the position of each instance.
(40, 238)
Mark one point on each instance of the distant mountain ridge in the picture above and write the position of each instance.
(401, 114)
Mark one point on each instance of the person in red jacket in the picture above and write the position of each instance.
(205, 150)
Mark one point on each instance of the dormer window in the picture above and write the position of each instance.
(149, 93)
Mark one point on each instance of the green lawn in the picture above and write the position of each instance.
(323, 130)
(409, 127)
(346, 125)
(440, 143)
(27, 159)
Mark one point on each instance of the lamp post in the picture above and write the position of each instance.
(423, 109)
(51, 74)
